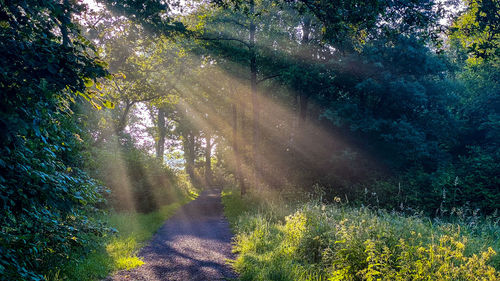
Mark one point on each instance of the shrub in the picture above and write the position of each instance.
(335, 242)
(48, 202)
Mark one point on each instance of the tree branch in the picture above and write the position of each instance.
(268, 77)
(153, 97)
(225, 39)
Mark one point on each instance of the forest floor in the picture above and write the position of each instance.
(194, 244)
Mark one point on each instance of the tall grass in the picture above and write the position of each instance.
(312, 241)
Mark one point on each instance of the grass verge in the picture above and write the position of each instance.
(119, 251)
(312, 241)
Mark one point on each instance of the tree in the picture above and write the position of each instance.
(47, 198)
(477, 28)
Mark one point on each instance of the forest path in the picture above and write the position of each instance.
(194, 244)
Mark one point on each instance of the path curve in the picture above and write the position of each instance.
(194, 244)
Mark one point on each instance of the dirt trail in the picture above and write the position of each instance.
(194, 244)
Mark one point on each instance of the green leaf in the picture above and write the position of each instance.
(88, 82)
(108, 104)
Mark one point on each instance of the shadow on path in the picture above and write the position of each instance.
(194, 244)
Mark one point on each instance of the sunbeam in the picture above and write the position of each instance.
(253, 139)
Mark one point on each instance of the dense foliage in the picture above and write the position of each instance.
(47, 199)
(313, 241)
(386, 105)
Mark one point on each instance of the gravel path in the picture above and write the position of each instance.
(194, 244)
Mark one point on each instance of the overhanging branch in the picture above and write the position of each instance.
(225, 39)
(269, 77)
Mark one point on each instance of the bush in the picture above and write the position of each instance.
(335, 242)
(48, 202)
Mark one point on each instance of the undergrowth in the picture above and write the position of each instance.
(311, 241)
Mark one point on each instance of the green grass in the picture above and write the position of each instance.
(133, 230)
(312, 241)
(235, 206)
(119, 251)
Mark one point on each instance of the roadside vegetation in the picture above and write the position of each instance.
(308, 240)
(142, 193)
(119, 250)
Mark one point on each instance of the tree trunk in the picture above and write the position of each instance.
(122, 123)
(208, 160)
(162, 131)
(305, 55)
(303, 103)
(188, 145)
(293, 125)
(255, 98)
(306, 30)
(191, 152)
(237, 156)
(65, 19)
